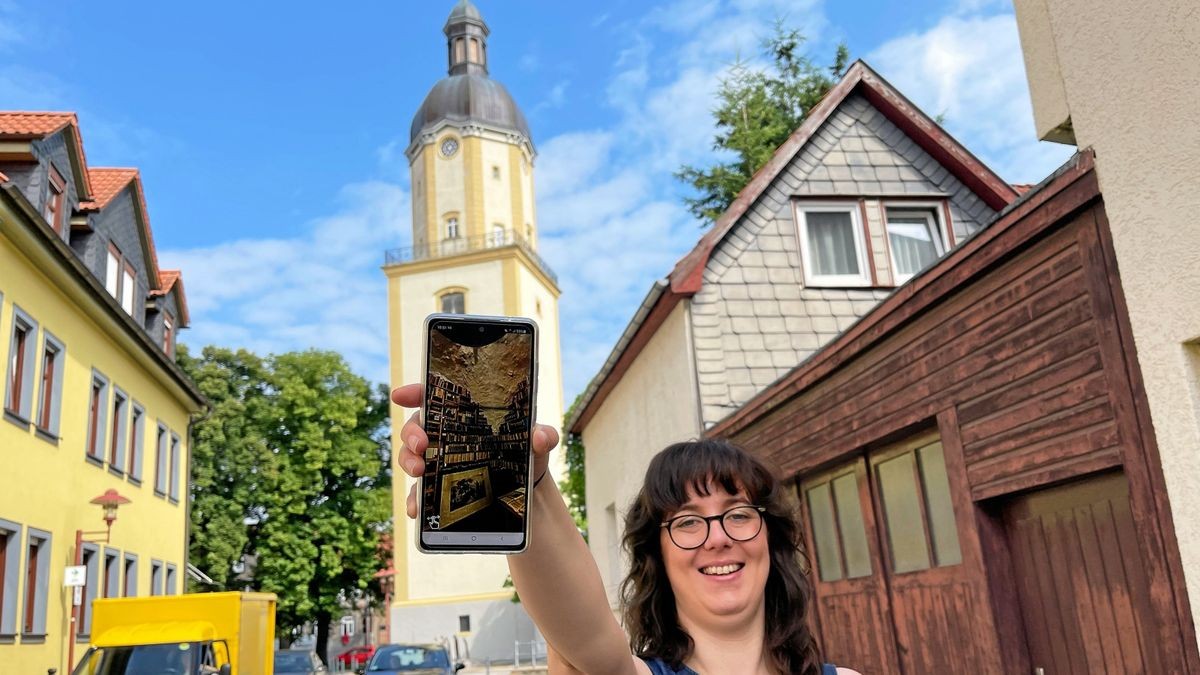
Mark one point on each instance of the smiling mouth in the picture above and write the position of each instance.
(721, 570)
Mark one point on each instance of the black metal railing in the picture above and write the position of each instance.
(458, 245)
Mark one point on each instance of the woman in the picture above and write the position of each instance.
(715, 584)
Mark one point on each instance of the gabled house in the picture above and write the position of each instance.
(93, 400)
(868, 192)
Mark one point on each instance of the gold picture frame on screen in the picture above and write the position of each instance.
(464, 493)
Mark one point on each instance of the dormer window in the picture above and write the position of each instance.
(915, 240)
(120, 279)
(53, 210)
(831, 244)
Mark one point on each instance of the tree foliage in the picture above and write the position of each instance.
(757, 109)
(574, 485)
(290, 473)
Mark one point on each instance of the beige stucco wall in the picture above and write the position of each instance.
(1127, 73)
(655, 404)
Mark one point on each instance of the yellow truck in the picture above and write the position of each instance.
(197, 634)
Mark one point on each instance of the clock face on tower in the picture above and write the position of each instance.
(449, 147)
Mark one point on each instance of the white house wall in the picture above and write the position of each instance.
(652, 406)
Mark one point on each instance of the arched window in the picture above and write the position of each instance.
(498, 235)
(459, 50)
(528, 233)
(454, 303)
(452, 228)
(473, 50)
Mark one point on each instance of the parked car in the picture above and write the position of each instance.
(427, 659)
(355, 658)
(298, 662)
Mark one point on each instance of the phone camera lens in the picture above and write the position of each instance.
(481, 329)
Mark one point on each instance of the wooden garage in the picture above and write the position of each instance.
(976, 466)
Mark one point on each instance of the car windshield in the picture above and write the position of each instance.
(409, 658)
(292, 662)
(170, 659)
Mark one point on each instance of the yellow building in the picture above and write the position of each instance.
(474, 251)
(92, 398)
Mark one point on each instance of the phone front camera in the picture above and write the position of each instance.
(481, 329)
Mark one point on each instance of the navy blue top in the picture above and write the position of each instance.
(660, 667)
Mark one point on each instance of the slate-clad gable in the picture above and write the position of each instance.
(116, 223)
(32, 178)
(753, 320)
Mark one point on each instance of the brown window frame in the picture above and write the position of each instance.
(49, 359)
(168, 333)
(94, 448)
(12, 402)
(55, 200)
(3, 567)
(32, 550)
(136, 418)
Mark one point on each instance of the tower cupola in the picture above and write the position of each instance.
(466, 40)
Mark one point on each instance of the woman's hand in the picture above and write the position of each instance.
(413, 441)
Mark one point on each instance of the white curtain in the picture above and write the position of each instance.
(831, 243)
(912, 243)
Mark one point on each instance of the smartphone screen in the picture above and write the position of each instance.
(479, 411)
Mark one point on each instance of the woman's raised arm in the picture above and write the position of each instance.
(556, 577)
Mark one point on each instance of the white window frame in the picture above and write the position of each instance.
(863, 278)
(931, 210)
(452, 228)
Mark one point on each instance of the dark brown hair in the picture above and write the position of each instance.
(648, 603)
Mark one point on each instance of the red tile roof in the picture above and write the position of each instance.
(29, 125)
(167, 279)
(106, 184)
(34, 124)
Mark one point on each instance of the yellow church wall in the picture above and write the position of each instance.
(528, 203)
(447, 186)
(47, 484)
(541, 304)
(497, 177)
(516, 182)
(470, 185)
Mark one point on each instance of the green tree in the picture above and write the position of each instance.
(574, 484)
(290, 471)
(757, 109)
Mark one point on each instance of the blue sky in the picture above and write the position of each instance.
(270, 135)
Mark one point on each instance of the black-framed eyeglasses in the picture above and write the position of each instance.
(741, 523)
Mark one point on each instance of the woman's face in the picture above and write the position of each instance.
(723, 579)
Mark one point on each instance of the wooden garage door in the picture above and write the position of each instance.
(1083, 591)
(895, 594)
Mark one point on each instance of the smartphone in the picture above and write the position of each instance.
(478, 411)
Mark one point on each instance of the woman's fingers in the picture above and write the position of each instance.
(408, 396)
(413, 442)
(411, 504)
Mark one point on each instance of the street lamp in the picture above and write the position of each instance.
(109, 502)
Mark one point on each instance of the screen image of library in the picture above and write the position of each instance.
(478, 415)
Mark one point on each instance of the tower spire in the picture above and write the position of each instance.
(466, 40)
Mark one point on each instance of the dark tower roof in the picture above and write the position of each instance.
(467, 94)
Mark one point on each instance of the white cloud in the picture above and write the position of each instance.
(320, 289)
(971, 69)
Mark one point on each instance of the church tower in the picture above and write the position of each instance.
(474, 250)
